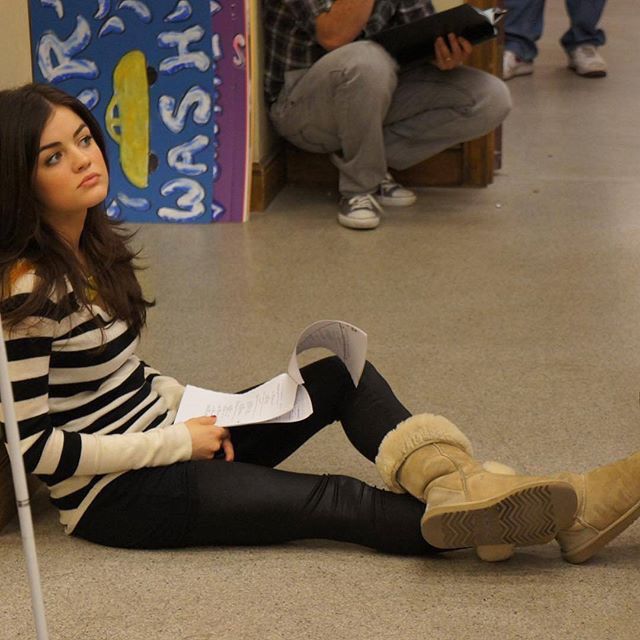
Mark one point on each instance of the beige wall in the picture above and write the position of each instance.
(263, 138)
(441, 5)
(15, 56)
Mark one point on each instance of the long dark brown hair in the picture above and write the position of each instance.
(25, 237)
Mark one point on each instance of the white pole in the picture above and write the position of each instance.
(22, 494)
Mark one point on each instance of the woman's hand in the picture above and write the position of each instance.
(451, 53)
(207, 439)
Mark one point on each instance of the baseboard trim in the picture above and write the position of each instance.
(267, 178)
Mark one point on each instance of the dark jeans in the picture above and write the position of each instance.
(247, 502)
(524, 22)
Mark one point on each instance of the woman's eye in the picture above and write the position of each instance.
(86, 141)
(52, 159)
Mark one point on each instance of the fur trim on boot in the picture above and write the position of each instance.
(467, 505)
(411, 434)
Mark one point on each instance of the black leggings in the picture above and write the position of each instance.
(248, 502)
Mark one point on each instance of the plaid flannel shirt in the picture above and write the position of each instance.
(290, 32)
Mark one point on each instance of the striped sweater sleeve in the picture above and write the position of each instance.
(54, 451)
(169, 388)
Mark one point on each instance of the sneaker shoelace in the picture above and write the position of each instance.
(389, 185)
(365, 201)
(588, 51)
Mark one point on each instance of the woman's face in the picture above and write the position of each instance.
(71, 174)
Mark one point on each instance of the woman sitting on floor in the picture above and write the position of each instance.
(97, 423)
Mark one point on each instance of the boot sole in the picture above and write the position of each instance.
(583, 553)
(530, 515)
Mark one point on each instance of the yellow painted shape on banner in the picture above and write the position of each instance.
(127, 117)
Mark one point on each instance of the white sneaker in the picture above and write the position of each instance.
(587, 62)
(360, 212)
(513, 66)
(392, 194)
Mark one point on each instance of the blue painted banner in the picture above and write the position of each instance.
(168, 81)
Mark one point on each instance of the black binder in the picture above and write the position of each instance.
(415, 41)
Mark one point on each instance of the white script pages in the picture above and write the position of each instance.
(283, 398)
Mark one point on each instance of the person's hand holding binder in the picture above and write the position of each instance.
(432, 37)
(452, 52)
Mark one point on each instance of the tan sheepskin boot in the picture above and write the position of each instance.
(496, 552)
(467, 505)
(608, 502)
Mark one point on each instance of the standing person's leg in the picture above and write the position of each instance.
(523, 26)
(584, 37)
(584, 16)
(433, 110)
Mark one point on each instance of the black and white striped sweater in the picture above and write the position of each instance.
(88, 408)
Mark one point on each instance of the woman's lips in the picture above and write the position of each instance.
(90, 180)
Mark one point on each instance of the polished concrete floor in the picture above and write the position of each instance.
(514, 310)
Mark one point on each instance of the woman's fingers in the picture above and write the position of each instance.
(227, 445)
(207, 439)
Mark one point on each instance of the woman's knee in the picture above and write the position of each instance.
(325, 370)
(333, 367)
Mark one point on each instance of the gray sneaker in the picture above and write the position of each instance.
(360, 212)
(392, 194)
(587, 62)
